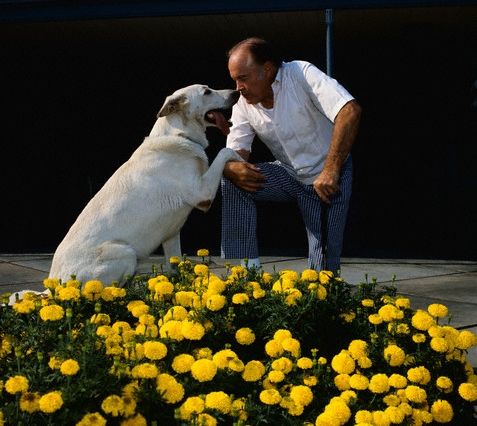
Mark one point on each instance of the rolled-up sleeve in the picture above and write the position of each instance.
(326, 93)
(241, 133)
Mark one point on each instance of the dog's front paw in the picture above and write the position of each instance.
(231, 155)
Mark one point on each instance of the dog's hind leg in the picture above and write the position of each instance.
(172, 247)
(115, 261)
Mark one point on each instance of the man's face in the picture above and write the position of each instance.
(252, 80)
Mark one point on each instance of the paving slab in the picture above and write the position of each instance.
(40, 264)
(455, 287)
(15, 274)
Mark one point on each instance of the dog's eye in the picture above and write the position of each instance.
(207, 92)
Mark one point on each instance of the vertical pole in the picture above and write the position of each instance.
(329, 16)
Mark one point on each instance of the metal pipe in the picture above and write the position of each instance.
(329, 17)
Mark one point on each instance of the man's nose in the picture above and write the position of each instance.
(239, 86)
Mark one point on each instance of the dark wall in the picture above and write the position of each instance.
(78, 97)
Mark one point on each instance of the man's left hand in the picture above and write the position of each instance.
(326, 185)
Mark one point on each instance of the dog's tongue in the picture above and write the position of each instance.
(220, 122)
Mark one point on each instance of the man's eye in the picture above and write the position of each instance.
(207, 92)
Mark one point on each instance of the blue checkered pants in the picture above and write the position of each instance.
(239, 215)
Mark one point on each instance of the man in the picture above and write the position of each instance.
(309, 122)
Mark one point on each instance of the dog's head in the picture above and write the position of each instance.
(202, 104)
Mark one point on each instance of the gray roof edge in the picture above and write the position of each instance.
(49, 10)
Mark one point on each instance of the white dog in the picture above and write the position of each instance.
(147, 200)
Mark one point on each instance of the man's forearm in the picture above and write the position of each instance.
(344, 134)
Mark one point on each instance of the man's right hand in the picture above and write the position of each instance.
(244, 175)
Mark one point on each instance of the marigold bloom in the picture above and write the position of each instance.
(276, 376)
(403, 303)
(438, 310)
(68, 294)
(174, 260)
(301, 394)
(215, 302)
(202, 252)
(169, 388)
(30, 402)
(145, 371)
(192, 330)
(283, 364)
(203, 370)
(270, 396)
(236, 365)
(419, 338)
(390, 312)
(164, 288)
(92, 289)
(253, 371)
(273, 348)
(363, 416)
(422, 320)
(379, 383)
(192, 405)
(154, 350)
(343, 363)
(219, 401)
(201, 270)
(439, 344)
(182, 363)
(304, 363)
(325, 276)
(365, 362)
(367, 303)
(137, 420)
(113, 404)
(16, 384)
(309, 275)
(397, 381)
(375, 319)
(223, 357)
(52, 313)
(51, 283)
(100, 319)
(444, 383)
(69, 367)
(245, 336)
(359, 382)
(51, 402)
(468, 391)
(342, 382)
(392, 400)
(24, 306)
(92, 419)
(420, 375)
(466, 340)
(415, 394)
(442, 411)
(394, 355)
(357, 348)
(291, 345)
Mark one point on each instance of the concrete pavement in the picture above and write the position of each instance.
(453, 283)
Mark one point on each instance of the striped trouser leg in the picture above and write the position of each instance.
(239, 214)
(328, 257)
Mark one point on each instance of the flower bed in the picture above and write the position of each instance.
(189, 347)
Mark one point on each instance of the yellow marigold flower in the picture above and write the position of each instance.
(442, 411)
(397, 381)
(439, 344)
(169, 388)
(270, 396)
(276, 376)
(375, 319)
(321, 292)
(164, 288)
(304, 363)
(52, 313)
(219, 401)
(51, 283)
(223, 357)
(236, 365)
(392, 400)
(192, 330)
(357, 348)
(69, 367)
(92, 419)
(113, 404)
(390, 312)
(343, 363)
(395, 415)
(365, 362)
(394, 355)
(274, 348)
(310, 380)
(444, 383)
(380, 418)
(16, 384)
(215, 302)
(367, 303)
(202, 353)
(68, 294)
(309, 275)
(129, 405)
(267, 278)
(403, 303)
(339, 410)
(468, 391)
(363, 416)
(182, 363)
(203, 370)
(174, 260)
(420, 375)
(379, 383)
(293, 295)
(322, 360)
(419, 338)
(24, 307)
(342, 382)
(301, 395)
(139, 310)
(348, 396)
(154, 350)
(466, 340)
(259, 293)
(137, 420)
(145, 371)
(92, 289)
(150, 331)
(192, 405)
(327, 419)
(51, 402)
(205, 419)
(415, 394)
(325, 276)
(202, 252)
(240, 299)
(348, 316)
(281, 335)
(358, 382)
(422, 320)
(201, 270)
(245, 336)
(100, 319)
(283, 364)
(253, 371)
(438, 310)
(291, 345)
(30, 402)
(55, 363)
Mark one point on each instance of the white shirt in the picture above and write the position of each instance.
(298, 128)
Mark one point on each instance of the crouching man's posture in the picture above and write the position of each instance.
(309, 122)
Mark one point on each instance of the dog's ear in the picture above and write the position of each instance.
(173, 104)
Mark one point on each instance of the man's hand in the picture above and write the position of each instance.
(326, 185)
(244, 175)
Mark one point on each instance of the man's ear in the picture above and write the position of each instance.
(173, 104)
